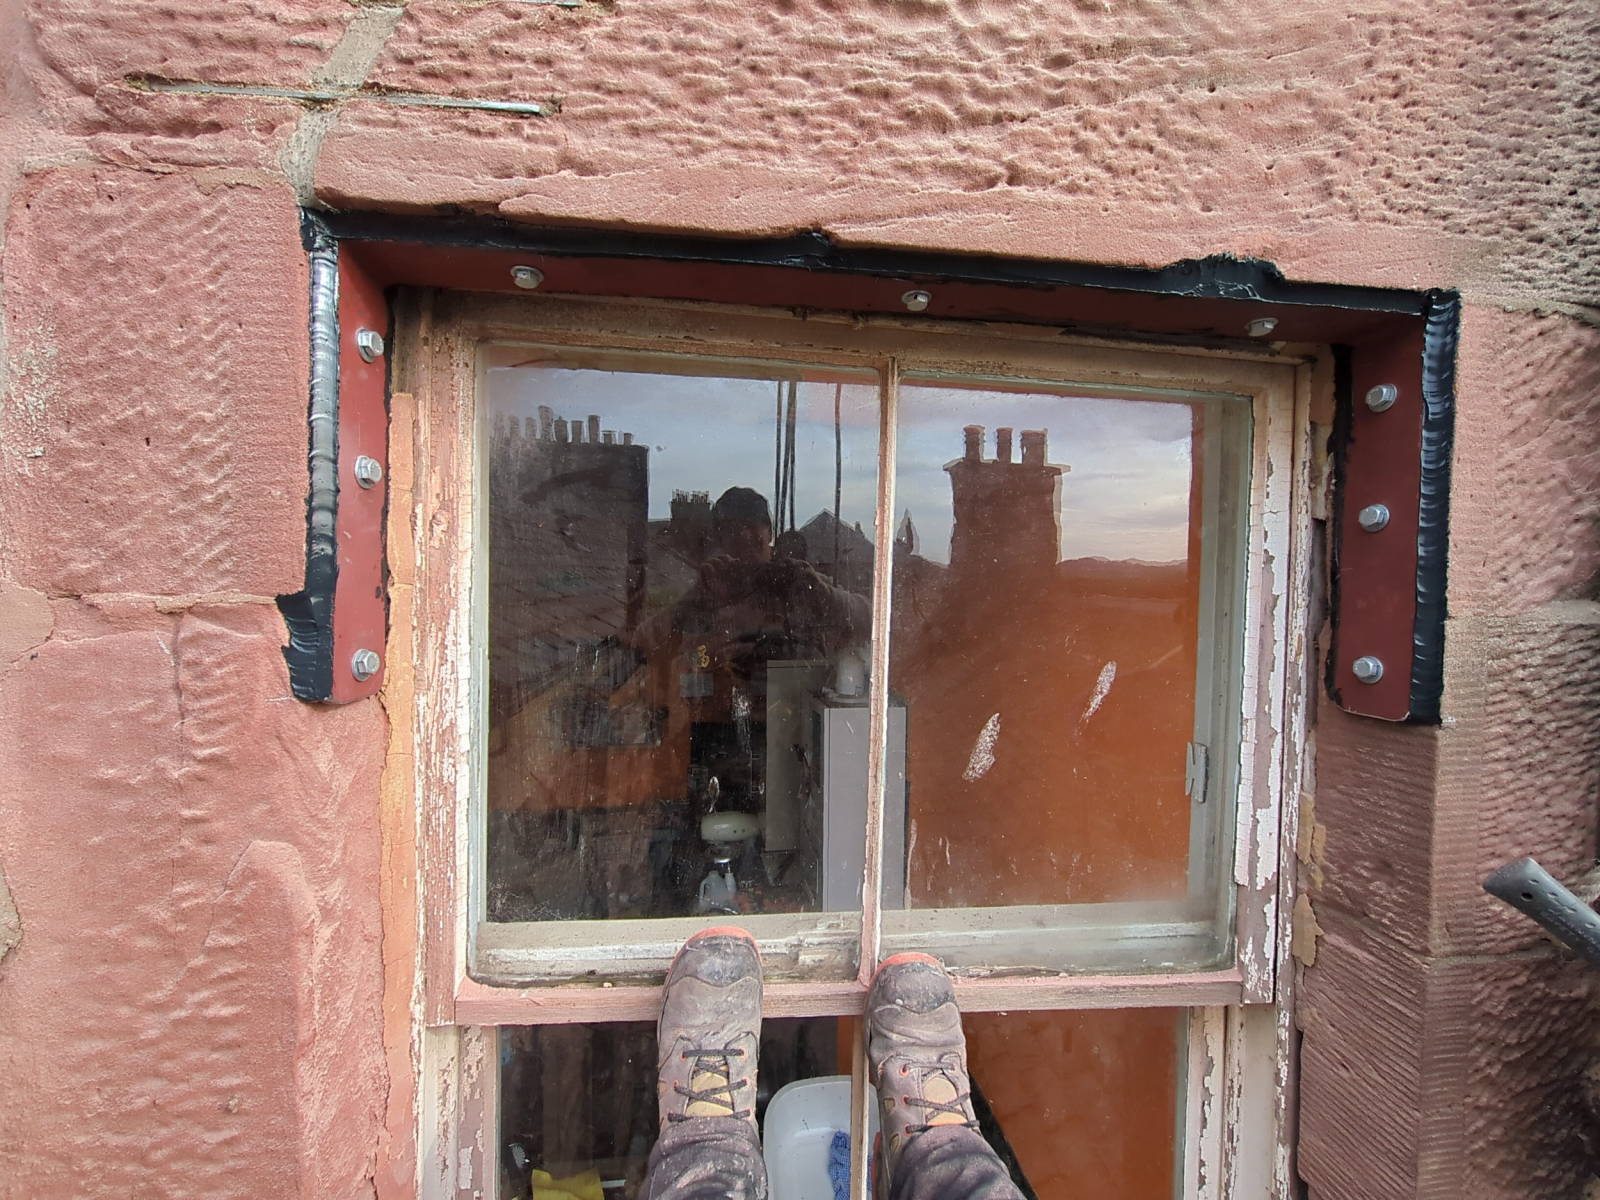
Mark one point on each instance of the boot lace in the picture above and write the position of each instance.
(955, 1106)
(722, 1094)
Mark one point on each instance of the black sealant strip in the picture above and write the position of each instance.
(1219, 277)
(1441, 334)
(309, 612)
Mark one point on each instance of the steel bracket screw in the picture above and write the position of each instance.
(1382, 397)
(368, 470)
(369, 344)
(1261, 326)
(527, 278)
(1367, 669)
(1373, 517)
(917, 300)
(364, 664)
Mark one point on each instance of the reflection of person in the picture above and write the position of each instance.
(769, 606)
(707, 1041)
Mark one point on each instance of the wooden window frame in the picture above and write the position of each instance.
(1235, 1112)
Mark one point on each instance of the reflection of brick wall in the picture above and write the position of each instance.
(567, 539)
(1007, 514)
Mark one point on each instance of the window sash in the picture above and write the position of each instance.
(455, 937)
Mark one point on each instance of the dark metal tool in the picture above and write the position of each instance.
(1533, 891)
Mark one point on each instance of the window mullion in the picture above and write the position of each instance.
(877, 765)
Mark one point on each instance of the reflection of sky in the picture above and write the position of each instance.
(1125, 496)
(707, 434)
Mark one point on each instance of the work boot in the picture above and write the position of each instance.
(916, 1052)
(710, 1029)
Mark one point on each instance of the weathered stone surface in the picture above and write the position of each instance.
(1519, 770)
(227, 41)
(1264, 131)
(164, 131)
(1375, 811)
(25, 620)
(1443, 1077)
(154, 435)
(1525, 510)
(196, 999)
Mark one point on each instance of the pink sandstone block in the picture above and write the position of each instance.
(227, 41)
(1146, 117)
(1525, 509)
(194, 860)
(155, 435)
(1442, 1077)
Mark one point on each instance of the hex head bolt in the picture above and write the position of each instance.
(1382, 397)
(368, 471)
(1373, 517)
(364, 664)
(369, 344)
(1367, 669)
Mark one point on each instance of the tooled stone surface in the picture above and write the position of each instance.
(155, 438)
(1260, 128)
(196, 997)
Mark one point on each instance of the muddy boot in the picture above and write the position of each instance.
(916, 1053)
(710, 1030)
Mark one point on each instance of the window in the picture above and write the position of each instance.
(879, 635)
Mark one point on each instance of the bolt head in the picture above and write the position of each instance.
(1373, 517)
(1261, 326)
(368, 471)
(917, 300)
(526, 277)
(364, 664)
(369, 344)
(1382, 397)
(1367, 669)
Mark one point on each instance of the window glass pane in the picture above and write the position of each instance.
(1065, 606)
(1081, 1103)
(1066, 1098)
(581, 1099)
(679, 563)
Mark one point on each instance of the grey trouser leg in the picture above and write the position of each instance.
(953, 1163)
(706, 1158)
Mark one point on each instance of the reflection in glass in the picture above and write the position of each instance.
(678, 630)
(578, 1102)
(1081, 1103)
(1076, 1103)
(1052, 622)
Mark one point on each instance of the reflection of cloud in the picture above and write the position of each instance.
(710, 433)
(1126, 494)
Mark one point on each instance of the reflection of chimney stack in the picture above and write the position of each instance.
(546, 422)
(1002, 445)
(974, 437)
(594, 429)
(1033, 446)
(627, 439)
(561, 429)
(609, 437)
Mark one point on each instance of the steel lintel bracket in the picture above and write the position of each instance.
(338, 621)
(1392, 449)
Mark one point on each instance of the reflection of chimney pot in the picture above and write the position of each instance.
(1033, 446)
(594, 429)
(974, 440)
(561, 429)
(546, 422)
(1002, 445)
(627, 439)
(609, 437)
(529, 430)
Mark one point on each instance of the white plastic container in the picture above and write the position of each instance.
(797, 1135)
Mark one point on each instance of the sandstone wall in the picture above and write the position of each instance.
(194, 1007)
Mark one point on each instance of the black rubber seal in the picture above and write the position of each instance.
(308, 613)
(1441, 335)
